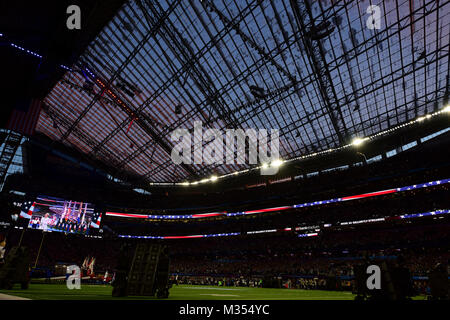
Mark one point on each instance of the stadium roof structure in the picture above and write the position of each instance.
(316, 70)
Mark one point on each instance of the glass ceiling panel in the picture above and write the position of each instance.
(202, 56)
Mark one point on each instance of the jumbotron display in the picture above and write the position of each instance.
(60, 215)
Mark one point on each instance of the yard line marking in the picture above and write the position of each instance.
(209, 288)
(219, 295)
(10, 297)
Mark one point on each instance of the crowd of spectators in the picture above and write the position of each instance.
(406, 168)
(306, 263)
(310, 263)
(295, 262)
(421, 246)
(390, 205)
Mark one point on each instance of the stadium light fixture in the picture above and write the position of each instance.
(213, 178)
(277, 163)
(420, 119)
(358, 141)
(355, 142)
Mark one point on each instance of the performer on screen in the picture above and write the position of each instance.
(53, 221)
(2, 250)
(45, 221)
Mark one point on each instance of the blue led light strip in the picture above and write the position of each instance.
(408, 216)
(32, 53)
(276, 209)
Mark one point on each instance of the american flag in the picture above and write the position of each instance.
(91, 266)
(27, 210)
(85, 263)
(97, 217)
(25, 116)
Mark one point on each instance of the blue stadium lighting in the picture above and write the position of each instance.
(25, 50)
(308, 204)
(65, 67)
(34, 54)
(407, 216)
(425, 214)
(90, 73)
(307, 235)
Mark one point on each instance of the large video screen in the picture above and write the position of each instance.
(60, 215)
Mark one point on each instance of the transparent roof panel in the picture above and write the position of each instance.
(322, 76)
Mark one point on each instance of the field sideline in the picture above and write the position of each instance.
(182, 292)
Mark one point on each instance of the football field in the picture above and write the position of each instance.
(181, 292)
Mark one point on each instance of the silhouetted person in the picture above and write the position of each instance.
(438, 278)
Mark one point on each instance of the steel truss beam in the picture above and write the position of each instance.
(11, 144)
(315, 51)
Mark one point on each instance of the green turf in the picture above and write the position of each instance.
(182, 292)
